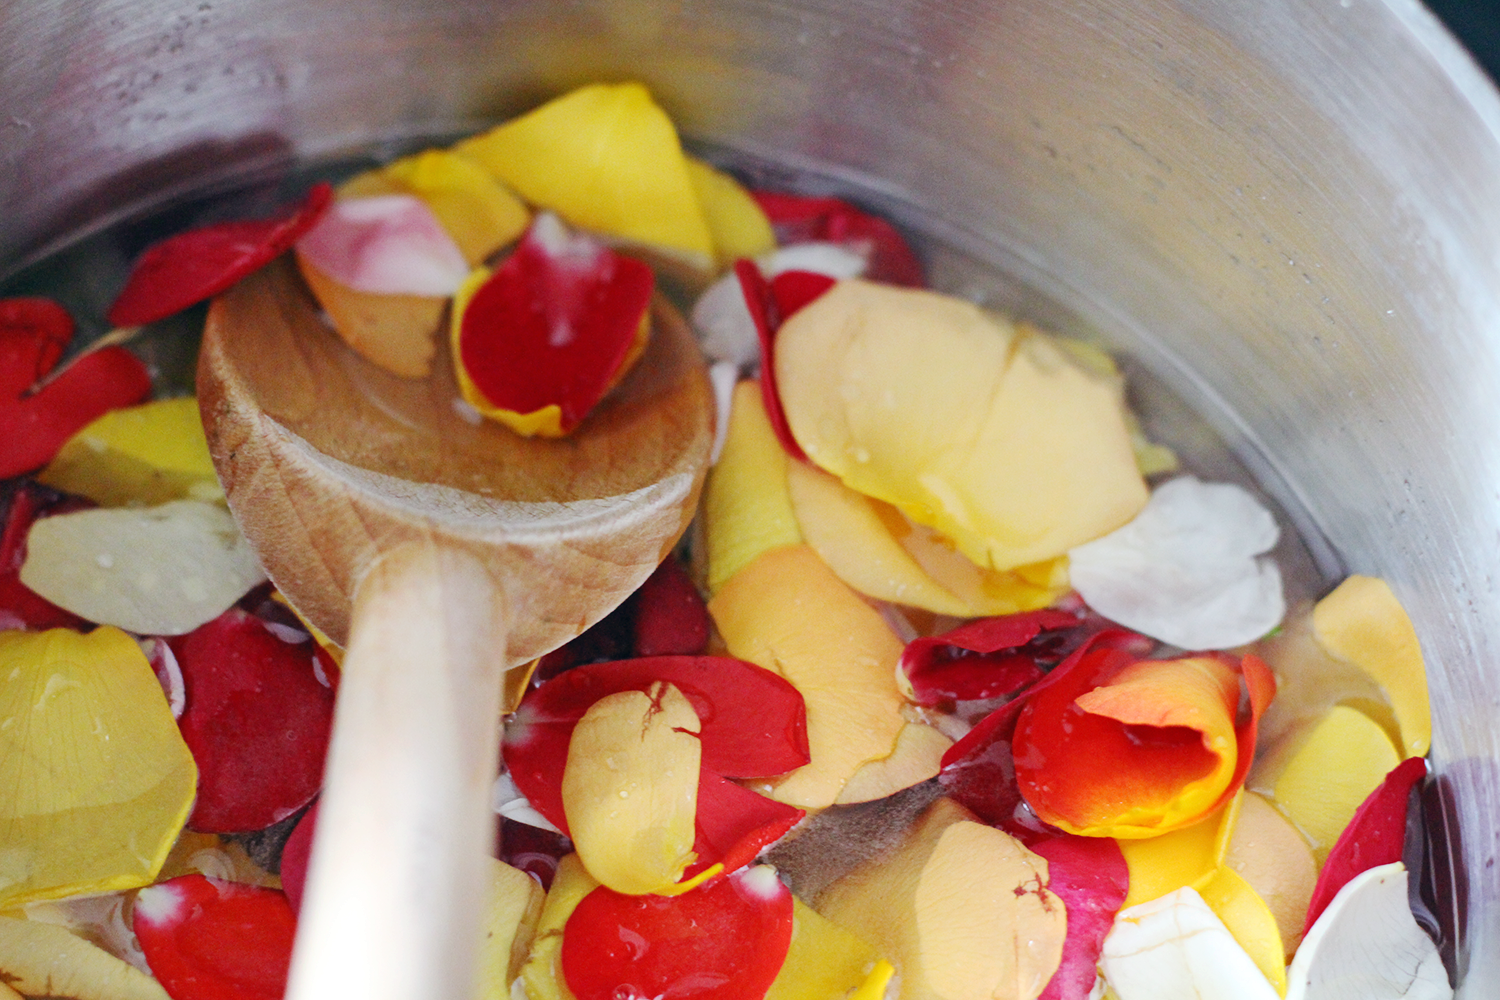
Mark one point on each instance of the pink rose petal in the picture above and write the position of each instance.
(387, 245)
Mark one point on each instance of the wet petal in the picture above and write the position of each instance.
(99, 780)
(1112, 746)
(604, 157)
(540, 340)
(1367, 946)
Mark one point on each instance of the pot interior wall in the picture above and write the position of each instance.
(1290, 213)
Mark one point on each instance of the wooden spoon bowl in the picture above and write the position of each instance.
(328, 461)
(441, 549)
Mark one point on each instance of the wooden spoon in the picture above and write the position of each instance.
(444, 550)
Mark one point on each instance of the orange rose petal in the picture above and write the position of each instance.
(1140, 749)
(1260, 682)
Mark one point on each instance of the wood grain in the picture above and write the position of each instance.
(327, 460)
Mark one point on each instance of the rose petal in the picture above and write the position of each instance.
(211, 940)
(799, 219)
(726, 940)
(1374, 836)
(1090, 876)
(1006, 660)
(722, 319)
(28, 609)
(542, 339)
(761, 303)
(34, 333)
(388, 245)
(1134, 748)
(754, 722)
(199, 264)
(979, 770)
(257, 721)
(816, 256)
(670, 615)
(1367, 946)
(1184, 571)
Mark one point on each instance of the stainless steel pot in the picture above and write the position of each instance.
(1289, 210)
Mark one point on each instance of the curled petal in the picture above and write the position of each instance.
(983, 659)
(979, 770)
(1124, 748)
(767, 317)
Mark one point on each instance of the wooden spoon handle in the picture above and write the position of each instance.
(396, 881)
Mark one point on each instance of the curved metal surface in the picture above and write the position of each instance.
(1290, 210)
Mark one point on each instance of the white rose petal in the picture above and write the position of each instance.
(1177, 948)
(1367, 946)
(723, 323)
(1186, 571)
(168, 569)
(833, 259)
(506, 800)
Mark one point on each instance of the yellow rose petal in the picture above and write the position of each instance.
(1362, 623)
(630, 788)
(605, 158)
(990, 434)
(477, 211)
(98, 780)
(746, 507)
(138, 456)
(736, 222)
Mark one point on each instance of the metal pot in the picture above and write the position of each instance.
(1289, 211)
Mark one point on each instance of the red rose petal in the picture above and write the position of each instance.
(723, 941)
(553, 330)
(753, 723)
(791, 290)
(982, 659)
(257, 722)
(1374, 836)
(35, 424)
(1260, 683)
(1090, 876)
(207, 939)
(190, 267)
(979, 771)
(20, 606)
(1085, 767)
(798, 219)
(34, 333)
(670, 615)
(767, 318)
(735, 824)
